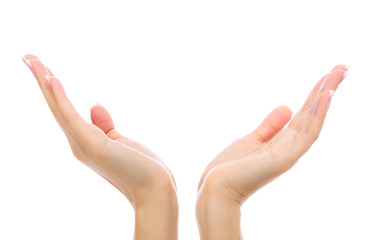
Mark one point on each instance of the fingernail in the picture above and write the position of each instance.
(49, 73)
(28, 64)
(331, 93)
(345, 74)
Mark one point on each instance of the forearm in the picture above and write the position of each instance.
(218, 218)
(157, 220)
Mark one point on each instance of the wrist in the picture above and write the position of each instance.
(156, 218)
(218, 217)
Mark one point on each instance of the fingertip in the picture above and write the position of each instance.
(99, 111)
(101, 118)
(96, 112)
(49, 71)
(94, 106)
(30, 56)
(284, 114)
(285, 110)
(341, 67)
(273, 123)
(331, 93)
(95, 109)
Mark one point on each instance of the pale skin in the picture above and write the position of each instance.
(131, 167)
(254, 160)
(236, 173)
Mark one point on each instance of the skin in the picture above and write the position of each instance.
(128, 165)
(235, 174)
(254, 160)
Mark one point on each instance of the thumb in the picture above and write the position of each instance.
(272, 124)
(102, 119)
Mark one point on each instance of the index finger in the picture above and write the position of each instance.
(63, 110)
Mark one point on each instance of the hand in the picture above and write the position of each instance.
(249, 163)
(132, 168)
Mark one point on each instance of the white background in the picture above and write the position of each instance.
(185, 78)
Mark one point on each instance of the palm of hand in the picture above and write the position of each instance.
(249, 163)
(129, 166)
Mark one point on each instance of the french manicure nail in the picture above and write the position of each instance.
(49, 73)
(48, 80)
(331, 93)
(347, 67)
(28, 64)
(344, 75)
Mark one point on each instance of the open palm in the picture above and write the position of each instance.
(249, 163)
(132, 168)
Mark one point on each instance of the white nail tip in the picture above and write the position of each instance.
(347, 67)
(47, 77)
(345, 74)
(27, 61)
(331, 93)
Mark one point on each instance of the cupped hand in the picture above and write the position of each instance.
(131, 167)
(249, 163)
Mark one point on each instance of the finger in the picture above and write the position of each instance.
(312, 121)
(311, 98)
(70, 118)
(331, 84)
(102, 119)
(328, 82)
(39, 71)
(303, 140)
(272, 124)
(37, 68)
(50, 72)
(341, 67)
(318, 118)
